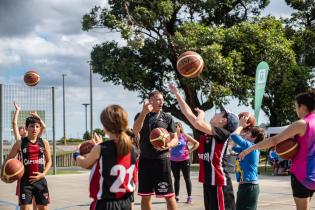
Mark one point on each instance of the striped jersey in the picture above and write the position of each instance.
(33, 157)
(112, 176)
(212, 161)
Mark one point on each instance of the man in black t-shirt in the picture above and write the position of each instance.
(154, 164)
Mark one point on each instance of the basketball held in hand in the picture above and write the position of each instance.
(31, 78)
(159, 137)
(190, 64)
(86, 147)
(251, 118)
(13, 170)
(287, 149)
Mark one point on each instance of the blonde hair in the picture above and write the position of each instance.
(115, 119)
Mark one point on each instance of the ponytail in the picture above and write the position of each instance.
(124, 144)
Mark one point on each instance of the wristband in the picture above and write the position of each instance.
(75, 155)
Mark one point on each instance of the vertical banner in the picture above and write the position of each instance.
(260, 84)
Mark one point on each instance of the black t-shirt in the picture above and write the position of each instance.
(154, 120)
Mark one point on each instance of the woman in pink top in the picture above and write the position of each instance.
(303, 164)
(180, 160)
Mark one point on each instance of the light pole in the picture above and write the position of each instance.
(64, 109)
(85, 105)
(91, 97)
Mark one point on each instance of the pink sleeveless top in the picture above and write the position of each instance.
(303, 164)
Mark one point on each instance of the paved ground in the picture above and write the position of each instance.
(71, 192)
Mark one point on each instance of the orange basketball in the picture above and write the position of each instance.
(31, 78)
(190, 64)
(13, 170)
(86, 147)
(159, 137)
(287, 149)
(251, 120)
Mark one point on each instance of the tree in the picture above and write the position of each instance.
(301, 29)
(157, 32)
(87, 136)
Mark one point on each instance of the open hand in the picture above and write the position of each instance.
(17, 107)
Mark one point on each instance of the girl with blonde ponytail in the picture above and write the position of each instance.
(113, 175)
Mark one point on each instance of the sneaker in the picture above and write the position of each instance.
(177, 199)
(189, 200)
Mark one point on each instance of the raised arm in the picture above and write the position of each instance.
(16, 132)
(146, 108)
(196, 121)
(92, 157)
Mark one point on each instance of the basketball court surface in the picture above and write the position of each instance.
(70, 192)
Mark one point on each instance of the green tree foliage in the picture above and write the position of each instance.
(301, 29)
(100, 132)
(157, 32)
(87, 136)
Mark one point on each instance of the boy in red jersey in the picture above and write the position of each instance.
(36, 158)
(217, 185)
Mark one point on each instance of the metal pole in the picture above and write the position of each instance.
(64, 109)
(53, 130)
(91, 98)
(85, 105)
(1, 128)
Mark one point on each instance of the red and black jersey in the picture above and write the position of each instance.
(33, 157)
(212, 160)
(112, 176)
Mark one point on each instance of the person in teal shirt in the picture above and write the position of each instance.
(247, 169)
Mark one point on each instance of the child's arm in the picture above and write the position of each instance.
(48, 163)
(16, 132)
(14, 151)
(92, 157)
(42, 123)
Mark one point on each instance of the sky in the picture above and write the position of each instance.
(47, 36)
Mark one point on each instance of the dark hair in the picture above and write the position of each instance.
(134, 138)
(31, 120)
(115, 119)
(259, 133)
(155, 92)
(181, 129)
(307, 99)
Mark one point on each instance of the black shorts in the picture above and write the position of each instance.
(155, 177)
(299, 190)
(121, 204)
(38, 189)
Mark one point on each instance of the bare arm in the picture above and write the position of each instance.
(16, 132)
(146, 108)
(193, 141)
(296, 128)
(174, 140)
(195, 121)
(92, 157)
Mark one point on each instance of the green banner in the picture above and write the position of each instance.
(260, 84)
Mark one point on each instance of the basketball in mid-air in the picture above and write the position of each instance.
(190, 64)
(86, 147)
(287, 149)
(159, 137)
(31, 78)
(251, 118)
(13, 170)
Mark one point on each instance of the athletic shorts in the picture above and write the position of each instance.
(121, 204)
(299, 190)
(155, 177)
(38, 189)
